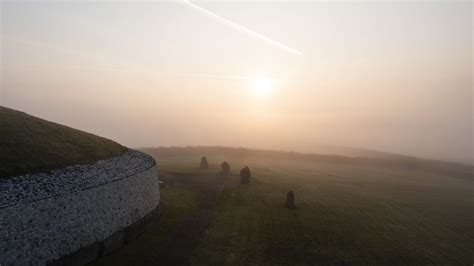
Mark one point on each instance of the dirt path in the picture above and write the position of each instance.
(177, 250)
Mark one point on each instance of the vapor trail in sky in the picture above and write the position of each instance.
(242, 28)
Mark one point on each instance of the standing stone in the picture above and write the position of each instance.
(245, 175)
(225, 167)
(290, 200)
(204, 164)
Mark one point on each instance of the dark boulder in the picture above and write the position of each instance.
(204, 164)
(245, 175)
(225, 167)
(290, 200)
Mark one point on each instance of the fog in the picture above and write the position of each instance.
(394, 77)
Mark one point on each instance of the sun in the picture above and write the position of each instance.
(262, 86)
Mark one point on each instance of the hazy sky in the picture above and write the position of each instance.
(393, 76)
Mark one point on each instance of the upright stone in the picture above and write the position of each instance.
(290, 200)
(204, 164)
(245, 175)
(225, 167)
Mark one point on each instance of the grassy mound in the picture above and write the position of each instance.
(30, 144)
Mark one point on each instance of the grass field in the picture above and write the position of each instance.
(358, 213)
(363, 216)
(30, 144)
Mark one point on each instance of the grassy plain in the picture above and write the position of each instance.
(359, 213)
(363, 214)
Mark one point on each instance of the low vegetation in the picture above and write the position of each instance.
(381, 222)
(357, 213)
(29, 144)
(345, 213)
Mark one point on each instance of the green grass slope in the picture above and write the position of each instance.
(30, 144)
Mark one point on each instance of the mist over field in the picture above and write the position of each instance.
(394, 77)
(236, 133)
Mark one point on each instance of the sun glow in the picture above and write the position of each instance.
(262, 86)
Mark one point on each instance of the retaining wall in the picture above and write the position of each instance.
(43, 217)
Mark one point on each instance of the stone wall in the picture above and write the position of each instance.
(45, 217)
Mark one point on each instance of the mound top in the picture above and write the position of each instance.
(29, 144)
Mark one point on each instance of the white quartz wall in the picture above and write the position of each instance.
(52, 226)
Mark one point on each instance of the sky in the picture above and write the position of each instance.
(389, 76)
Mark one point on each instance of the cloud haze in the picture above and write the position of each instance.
(395, 77)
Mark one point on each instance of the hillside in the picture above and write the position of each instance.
(353, 156)
(30, 144)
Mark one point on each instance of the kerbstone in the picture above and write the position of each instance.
(46, 217)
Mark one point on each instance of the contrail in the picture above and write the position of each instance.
(242, 28)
